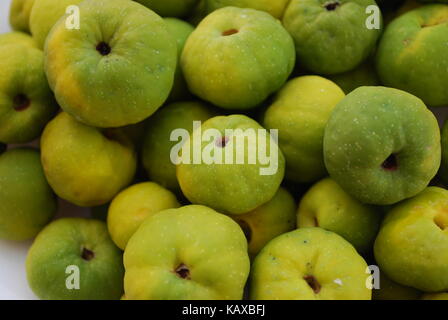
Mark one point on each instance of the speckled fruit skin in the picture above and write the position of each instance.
(268, 221)
(412, 245)
(19, 14)
(330, 41)
(157, 144)
(180, 30)
(327, 206)
(17, 37)
(413, 55)
(237, 57)
(209, 245)
(61, 244)
(114, 89)
(229, 188)
(84, 165)
(382, 145)
(390, 290)
(170, 8)
(132, 206)
(44, 15)
(275, 8)
(26, 101)
(279, 271)
(27, 201)
(300, 112)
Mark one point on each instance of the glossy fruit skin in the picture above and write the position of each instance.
(300, 112)
(85, 165)
(279, 271)
(327, 206)
(27, 201)
(210, 245)
(19, 14)
(157, 145)
(268, 221)
(115, 70)
(171, 8)
(44, 15)
(350, 41)
(412, 245)
(134, 205)
(382, 145)
(237, 57)
(230, 188)
(17, 37)
(412, 54)
(275, 8)
(26, 101)
(61, 245)
(180, 30)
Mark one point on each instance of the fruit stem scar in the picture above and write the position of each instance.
(313, 283)
(222, 142)
(183, 272)
(229, 32)
(331, 5)
(103, 48)
(391, 163)
(87, 254)
(21, 102)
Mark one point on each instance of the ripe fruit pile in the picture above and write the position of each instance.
(347, 131)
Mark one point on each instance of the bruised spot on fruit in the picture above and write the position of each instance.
(103, 48)
(87, 254)
(246, 229)
(391, 163)
(222, 142)
(313, 283)
(230, 32)
(183, 272)
(332, 5)
(21, 102)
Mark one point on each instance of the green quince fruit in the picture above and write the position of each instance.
(171, 8)
(413, 55)
(435, 296)
(231, 177)
(19, 14)
(390, 290)
(327, 206)
(364, 75)
(132, 206)
(382, 145)
(45, 14)
(275, 8)
(17, 37)
(237, 57)
(85, 165)
(117, 69)
(330, 36)
(75, 259)
(180, 30)
(300, 112)
(188, 253)
(26, 101)
(412, 245)
(27, 201)
(268, 221)
(157, 143)
(309, 264)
